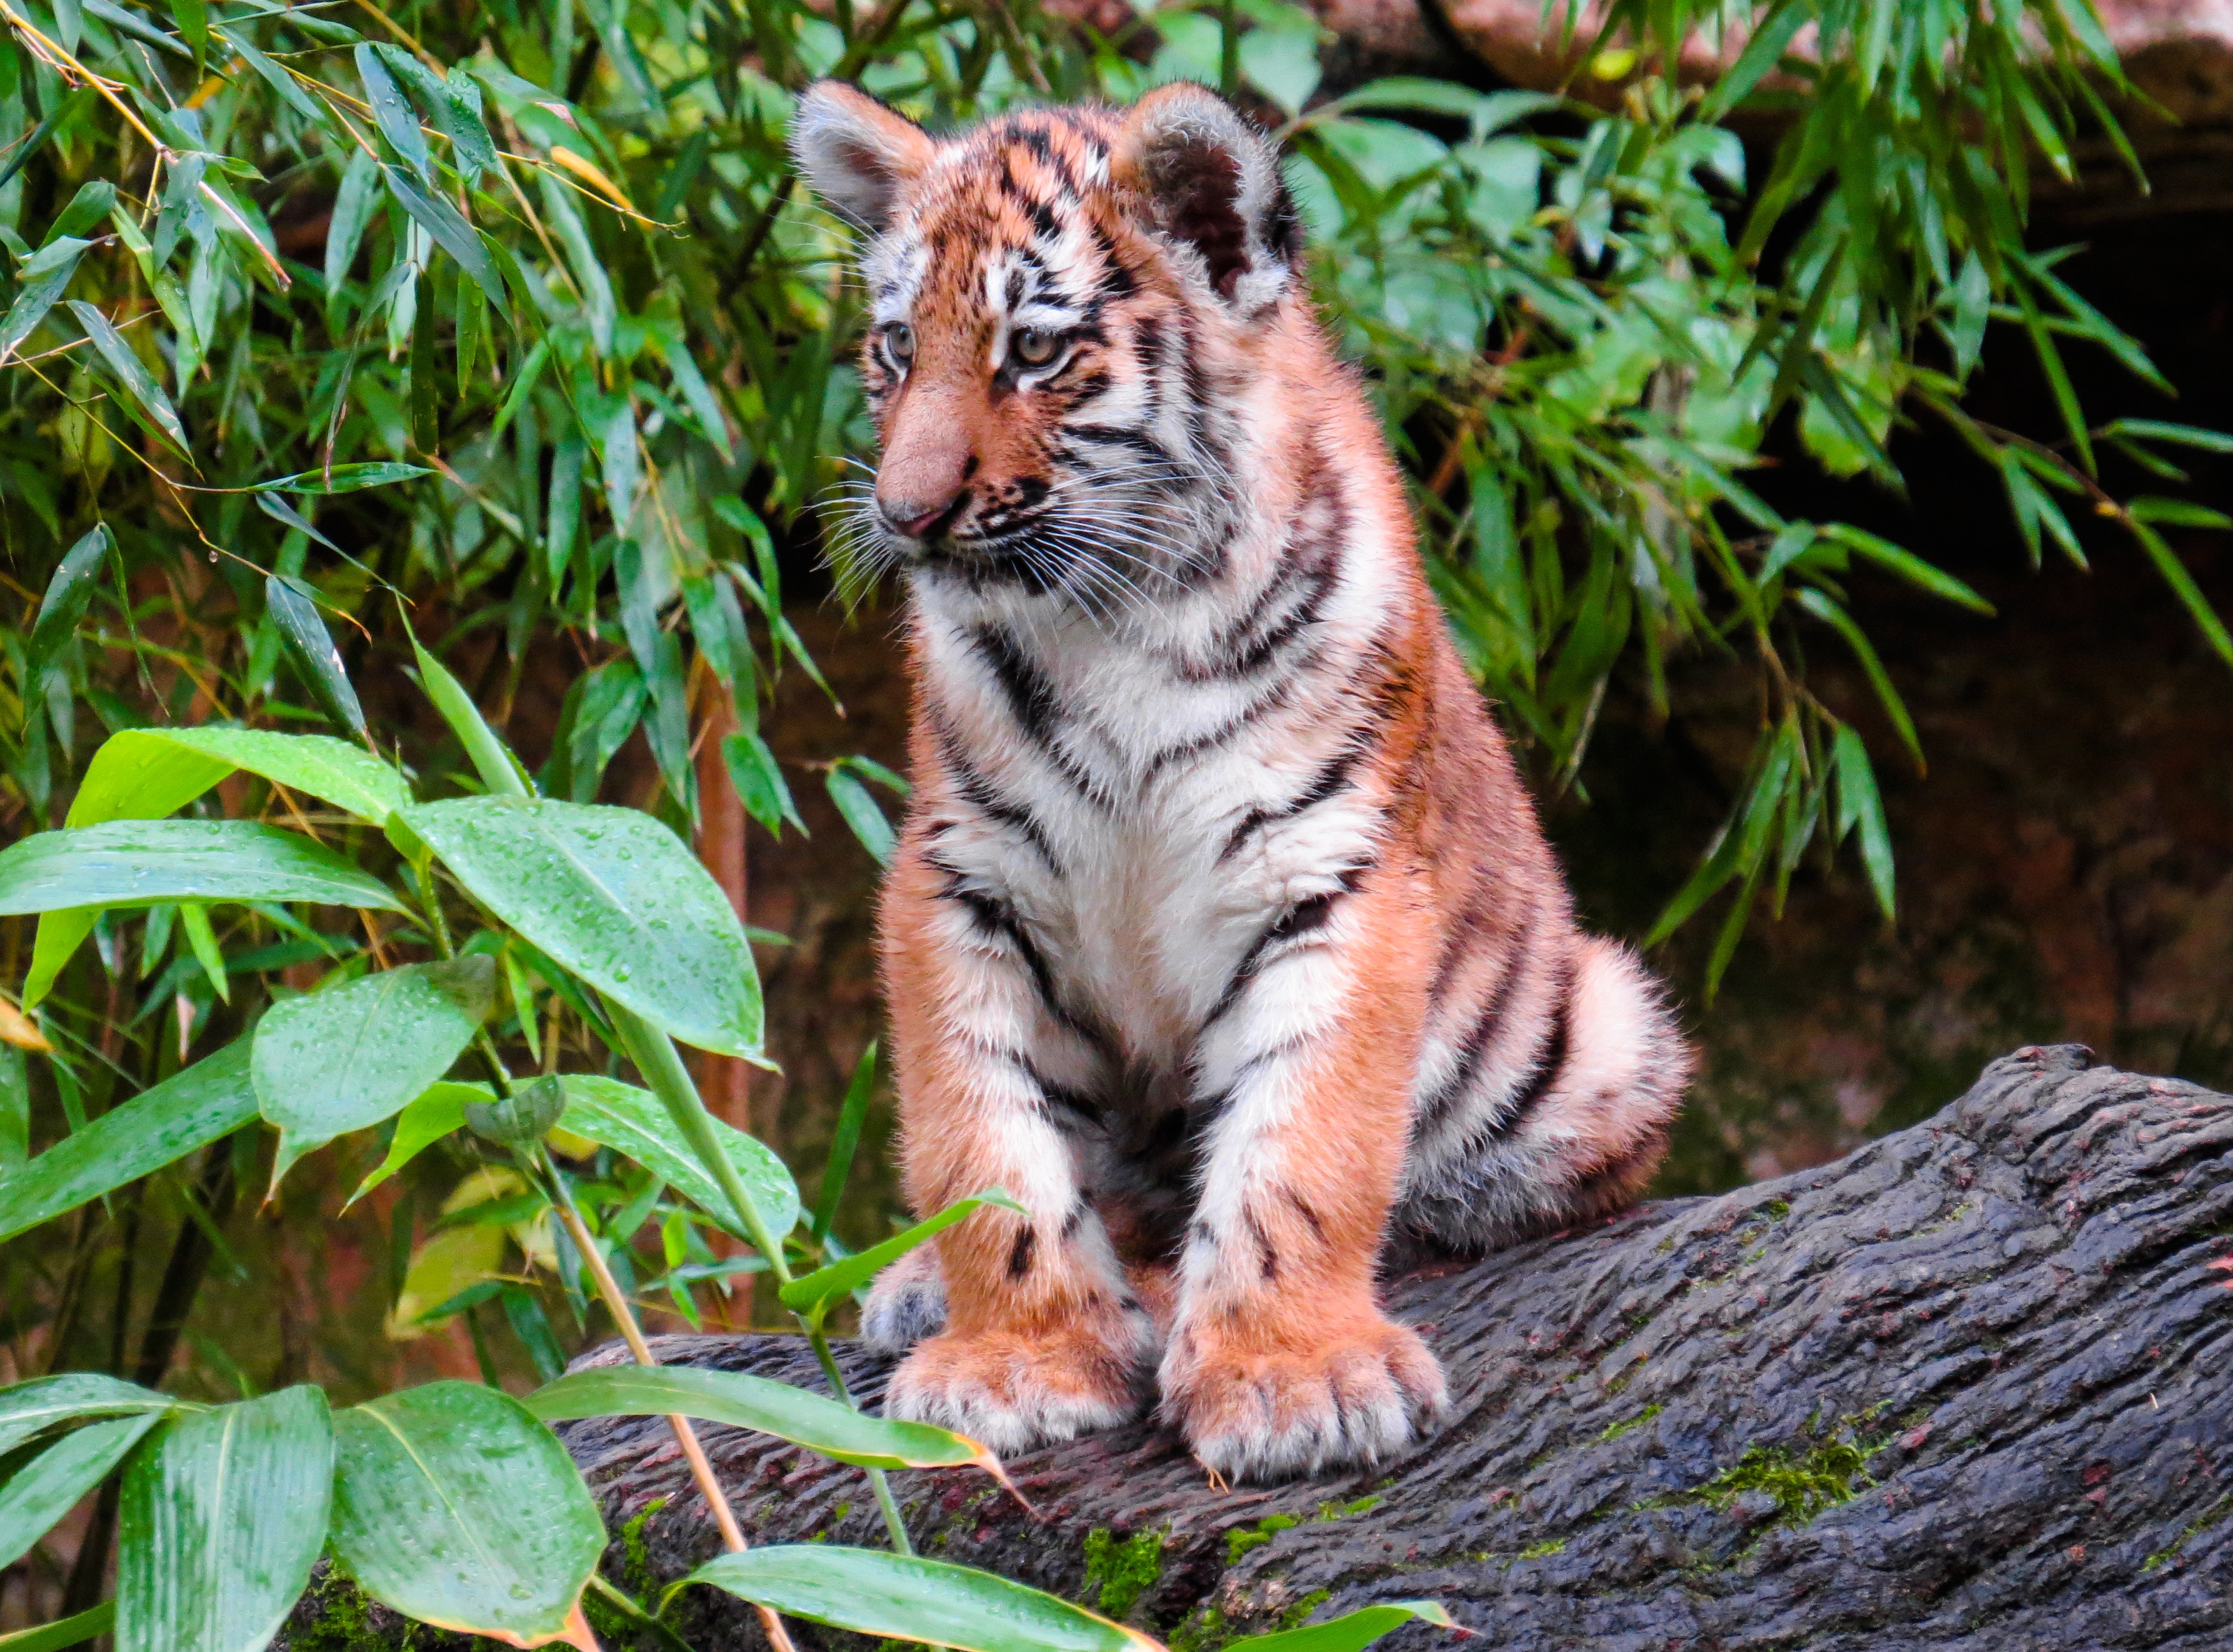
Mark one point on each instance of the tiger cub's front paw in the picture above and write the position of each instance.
(1362, 1393)
(1012, 1391)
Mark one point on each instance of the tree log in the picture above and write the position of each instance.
(1965, 1387)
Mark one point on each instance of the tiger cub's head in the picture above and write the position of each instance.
(1061, 306)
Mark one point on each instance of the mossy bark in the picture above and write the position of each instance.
(1964, 1388)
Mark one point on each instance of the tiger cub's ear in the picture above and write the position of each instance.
(856, 154)
(1211, 184)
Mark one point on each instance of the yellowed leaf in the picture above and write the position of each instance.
(18, 1029)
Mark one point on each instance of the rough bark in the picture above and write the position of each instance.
(1963, 1389)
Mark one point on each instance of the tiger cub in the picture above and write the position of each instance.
(1221, 934)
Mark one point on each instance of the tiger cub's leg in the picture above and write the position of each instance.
(1043, 1338)
(1280, 1360)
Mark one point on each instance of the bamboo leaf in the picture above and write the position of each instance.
(452, 1505)
(222, 1519)
(821, 1424)
(140, 862)
(37, 286)
(815, 1293)
(342, 1059)
(311, 647)
(1352, 1631)
(38, 1494)
(615, 897)
(133, 374)
(899, 1597)
(211, 1098)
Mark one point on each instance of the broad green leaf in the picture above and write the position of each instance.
(1351, 1632)
(437, 1112)
(499, 770)
(615, 897)
(633, 1122)
(133, 374)
(221, 1522)
(932, 1602)
(69, 1632)
(29, 1409)
(190, 1110)
(814, 1420)
(337, 1061)
(38, 284)
(48, 1486)
(68, 594)
(140, 862)
(311, 647)
(154, 782)
(816, 1291)
(343, 479)
(346, 776)
(452, 1505)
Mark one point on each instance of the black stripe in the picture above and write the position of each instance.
(1019, 1258)
(1474, 1047)
(1116, 436)
(1032, 703)
(1308, 1215)
(998, 919)
(1298, 920)
(1330, 779)
(978, 792)
(1548, 1066)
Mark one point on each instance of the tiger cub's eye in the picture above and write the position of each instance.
(899, 343)
(1034, 347)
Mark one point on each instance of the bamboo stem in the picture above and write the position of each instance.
(709, 1487)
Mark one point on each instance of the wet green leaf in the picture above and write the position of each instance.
(348, 1056)
(931, 1602)
(68, 594)
(311, 647)
(133, 374)
(211, 1098)
(615, 897)
(452, 1505)
(29, 1409)
(437, 1112)
(1351, 1632)
(139, 863)
(222, 1519)
(815, 1292)
(139, 772)
(38, 1494)
(814, 1420)
(37, 286)
(633, 1122)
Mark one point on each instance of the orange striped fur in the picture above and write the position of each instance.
(1222, 933)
